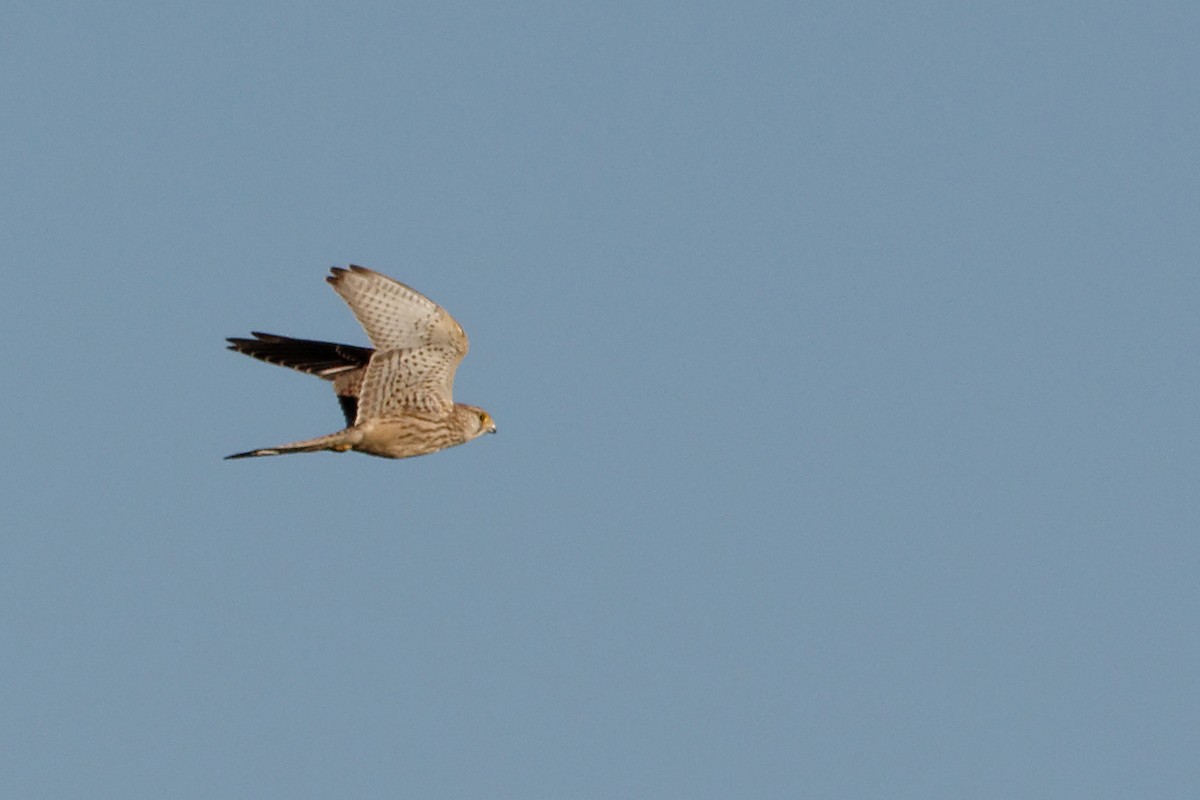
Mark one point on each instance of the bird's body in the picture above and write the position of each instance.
(397, 398)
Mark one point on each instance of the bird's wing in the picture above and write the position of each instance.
(326, 360)
(395, 316)
(343, 364)
(408, 380)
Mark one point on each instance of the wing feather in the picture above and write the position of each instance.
(408, 380)
(418, 345)
(395, 316)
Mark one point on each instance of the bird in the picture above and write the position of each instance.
(397, 398)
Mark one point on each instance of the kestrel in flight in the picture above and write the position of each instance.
(397, 398)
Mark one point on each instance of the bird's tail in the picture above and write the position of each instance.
(339, 442)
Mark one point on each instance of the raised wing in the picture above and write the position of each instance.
(400, 382)
(395, 316)
(419, 345)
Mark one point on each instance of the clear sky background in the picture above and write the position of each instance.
(843, 356)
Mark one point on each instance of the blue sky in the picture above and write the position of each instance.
(843, 357)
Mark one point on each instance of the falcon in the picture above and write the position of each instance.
(398, 397)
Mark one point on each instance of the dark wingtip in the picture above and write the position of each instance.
(236, 342)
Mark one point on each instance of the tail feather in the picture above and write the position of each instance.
(339, 442)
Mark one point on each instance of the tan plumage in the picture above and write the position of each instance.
(397, 398)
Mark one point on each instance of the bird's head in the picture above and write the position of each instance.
(475, 421)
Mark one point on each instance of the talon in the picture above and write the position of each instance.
(341, 448)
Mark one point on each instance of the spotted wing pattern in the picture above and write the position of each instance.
(411, 379)
(419, 346)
